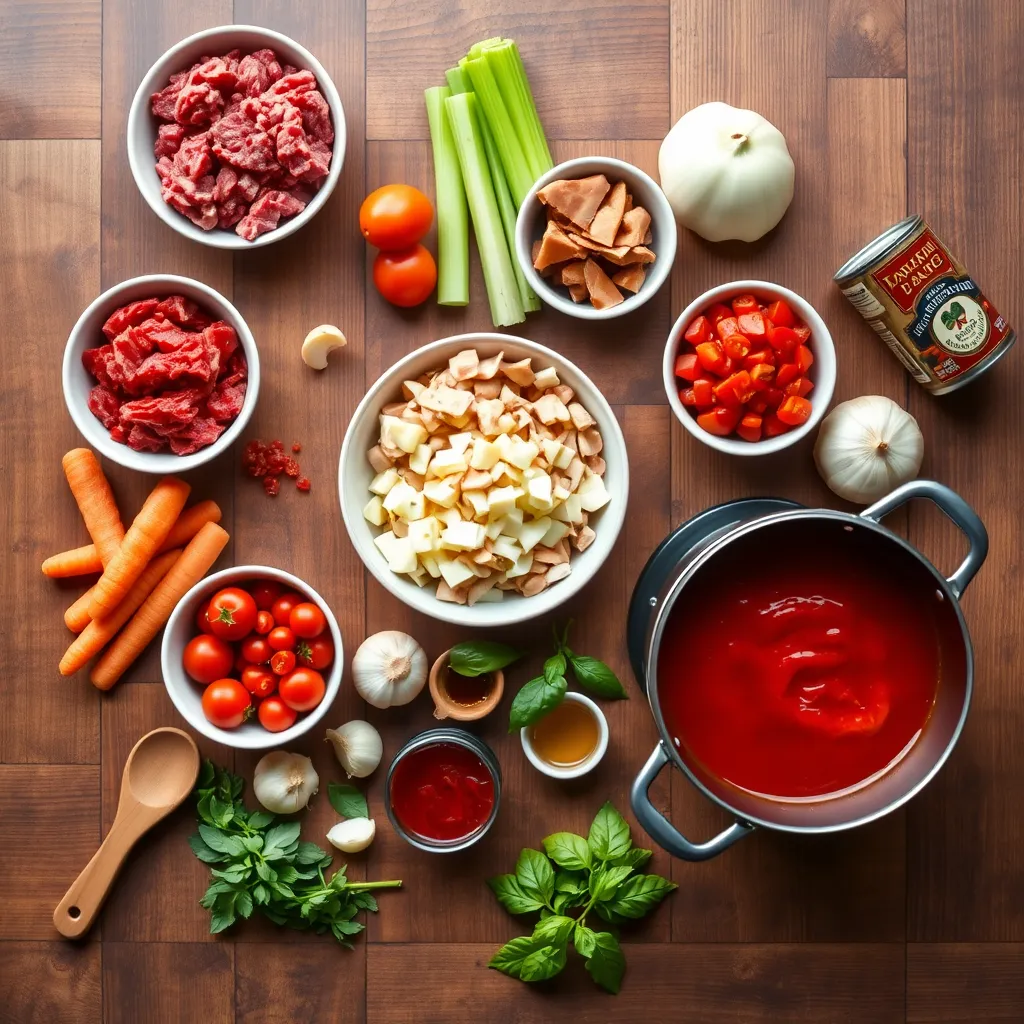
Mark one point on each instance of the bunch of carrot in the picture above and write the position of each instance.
(145, 570)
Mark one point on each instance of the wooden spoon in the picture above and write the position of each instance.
(160, 772)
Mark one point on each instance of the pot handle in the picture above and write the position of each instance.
(661, 830)
(956, 509)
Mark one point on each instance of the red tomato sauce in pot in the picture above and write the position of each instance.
(442, 792)
(799, 674)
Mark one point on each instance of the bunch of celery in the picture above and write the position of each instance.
(489, 148)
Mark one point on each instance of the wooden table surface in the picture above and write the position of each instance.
(889, 107)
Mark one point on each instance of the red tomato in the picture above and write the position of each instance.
(721, 420)
(232, 613)
(256, 650)
(780, 314)
(802, 332)
(202, 622)
(794, 410)
(703, 393)
(783, 339)
(760, 375)
(302, 689)
(717, 311)
(240, 665)
(258, 681)
(275, 715)
(282, 608)
(688, 398)
(754, 327)
(395, 217)
(772, 426)
(804, 359)
(744, 304)
(712, 357)
(265, 593)
(734, 390)
(226, 703)
(787, 373)
(282, 662)
(698, 331)
(749, 427)
(207, 658)
(762, 355)
(264, 622)
(407, 277)
(281, 638)
(687, 366)
(317, 653)
(307, 620)
(801, 387)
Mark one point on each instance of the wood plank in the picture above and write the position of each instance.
(54, 809)
(965, 983)
(51, 981)
(713, 984)
(164, 983)
(50, 69)
(973, 437)
(569, 51)
(285, 982)
(49, 207)
(866, 39)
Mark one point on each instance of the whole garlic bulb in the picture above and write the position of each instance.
(358, 747)
(868, 446)
(352, 835)
(389, 668)
(283, 782)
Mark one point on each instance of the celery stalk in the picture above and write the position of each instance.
(456, 79)
(452, 214)
(495, 259)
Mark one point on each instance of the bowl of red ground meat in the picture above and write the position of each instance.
(236, 137)
(161, 374)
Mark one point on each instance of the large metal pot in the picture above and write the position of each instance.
(883, 793)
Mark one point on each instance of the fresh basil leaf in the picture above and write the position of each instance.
(205, 852)
(597, 677)
(640, 894)
(543, 963)
(252, 843)
(207, 773)
(568, 850)
(233, 873)
(554, 930)
(265, 871)
(363, 900)
(221, 841)
(511, 896)
(243, 904)
(534, 701)
(260, 893)
(222, 811)
(584, 939)
(478, 657)
(603, 884)
(347, 800)
(609, 834)
(261, 819)
(554, 667)
(635, 858)
(535, 875)
(570, 882)
(279, 838)
(310, 853)
(529, 959)
(347, 927)
(606, 964)
(223, 914)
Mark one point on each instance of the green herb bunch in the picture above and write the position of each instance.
(547, 691)
(480, 657)
(577, 877)
(257, 862)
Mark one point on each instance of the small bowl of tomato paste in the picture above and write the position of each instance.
(443, 790)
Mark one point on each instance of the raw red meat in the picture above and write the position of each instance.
(168, 139)
(128, 316)
(266, 212)
(184, 312)
(198, 102)
(104, 405)
(225, 402)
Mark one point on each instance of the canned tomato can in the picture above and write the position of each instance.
(922, 302)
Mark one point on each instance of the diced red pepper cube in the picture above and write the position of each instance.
(754, 326)
(734, 390)
(687, 397)
(803, 333)
(783, 339)
(744, 304)
(786, 374)
(762, 355)
(703, 393)
(772, 426)
(687, 366)
(749, 427)
(726, 327)
(804, 359)
(780, 314)
(801, 387)
(758, 404)
(736, 346)
(794, 410)
(712, 357)
(762, 372)
(774, 397)
(716, 312)
(720, 421)
(698, 331)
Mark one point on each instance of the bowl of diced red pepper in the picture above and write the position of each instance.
(749, 368)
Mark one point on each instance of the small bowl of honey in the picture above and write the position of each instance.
(569, 740)
(463, 698)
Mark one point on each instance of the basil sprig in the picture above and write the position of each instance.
(478, 657)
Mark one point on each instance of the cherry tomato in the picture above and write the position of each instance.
(307, 621)
(282, 663)
(207, 658)
(264, 623)
(395, 216)
(407, 277)
(256, 650)
(302, 689)
(240, 664)
(232, 613)
(226, 703)
(275, 715)
(258, 681)
(202, 622)
(265, 593)
(282, 607)
(281, 638)
(317, 653)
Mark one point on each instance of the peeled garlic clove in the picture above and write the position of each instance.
(352, 835)
(358, 747)
(319, 343)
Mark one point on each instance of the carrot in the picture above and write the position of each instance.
(98, 632)
(202, 551)
(95, 501)
(77, 617)
(85, 560)
(148, 531)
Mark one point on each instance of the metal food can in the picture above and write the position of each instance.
(921, 301)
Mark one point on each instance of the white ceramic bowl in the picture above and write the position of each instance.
(187, 695)
(355, 474)
(142, 126)
(78, 382)
(583, 767)
(822, 372)
(645, 192)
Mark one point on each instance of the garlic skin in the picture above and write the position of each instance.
(358, 748)
(868, 446)
(352, 835)
(283, 782)
(389, 669)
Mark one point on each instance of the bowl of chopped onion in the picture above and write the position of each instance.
(483, 479)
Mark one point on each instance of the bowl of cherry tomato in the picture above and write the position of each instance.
(252, 657)
(749, 368)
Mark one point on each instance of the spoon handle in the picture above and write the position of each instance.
(81, 903)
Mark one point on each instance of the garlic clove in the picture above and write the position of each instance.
(284, 783)
(352, 835)
(358, 748)
(389, 668)
(319, 343)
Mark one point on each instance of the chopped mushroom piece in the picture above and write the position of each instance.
(519, 373)
(581, 419)
(488, 368)
(485, 389)
(464, 364)
(595, 464)
(556, 573)
(378, 460)
(535, 583)
(584, 538)
(577, 200)
(590, 442)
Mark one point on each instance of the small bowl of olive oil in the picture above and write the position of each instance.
(569, 740)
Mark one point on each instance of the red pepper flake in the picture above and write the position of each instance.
(296, 447)
(267, 462)
(271, 485)
(302, 483)
(291, 468)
